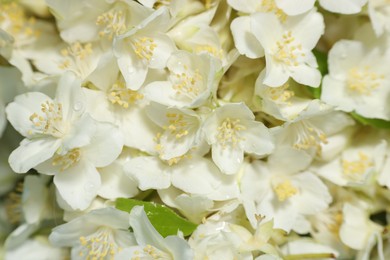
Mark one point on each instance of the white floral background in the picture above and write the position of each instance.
(194, 129)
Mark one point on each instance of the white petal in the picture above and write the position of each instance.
(344, 7)
(149, 172)
(80, 134)
(19, 111)
(258, 139)
(293, 8)
(275, 75)
(133, 70)
(30, 153)
(78, 185)
(306, 75)
(144, 232)
(199, 176)
(162, 52)
(244, 40)
(106, 145)
(115, 184)
(227, 159)
(267, 29)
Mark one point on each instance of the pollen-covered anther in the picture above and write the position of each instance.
(281, 94)
(75, 55)
(177, 125)
(269, 6)
(356, 168)
(144, 48)
(67, 160)
(13, 20)
(285, 190)
(187, 82)
(286, 51)
(309, 136)
(120, 95)
(101, 245)
(50, 121)
(229, 132)
(113, 23)
(363, 81)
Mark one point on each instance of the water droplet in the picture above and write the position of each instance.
(343, 56)
(192, 166)
(152, 59)
(89, 187)
(130, 70)
(77, 106)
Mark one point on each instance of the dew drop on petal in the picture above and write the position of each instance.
(77, 106)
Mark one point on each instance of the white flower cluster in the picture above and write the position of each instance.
(262, 122)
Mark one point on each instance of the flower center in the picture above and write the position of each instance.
(50, 122)
(113, 23)
(13, 204)
(177, 125)
(286, 51)
(269, 6)
(187, 82)
(67, 160)
(76, 58)
(122, 96)
(355, 169)
(308, 136)
(13, 20)
(363, 81)
(280, 94)
(229, 132)
(144, 48)
(99, 245)
(285, 190)
(150, 252)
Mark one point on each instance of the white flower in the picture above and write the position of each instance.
(285, 103)
(75, 175)
(49, 125)
(180, 130)
(113, 102)
(100, 233)
(87, 20)
(310, 130)
(144, 47)
(357, 230)
(358, 80)
(150, 244)
(191, 82)
(357, 163)
(287, 46)
(283, 192)
(232, 130)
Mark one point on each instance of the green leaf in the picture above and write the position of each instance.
(164, 220)
(322, 61)
(378, 123)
